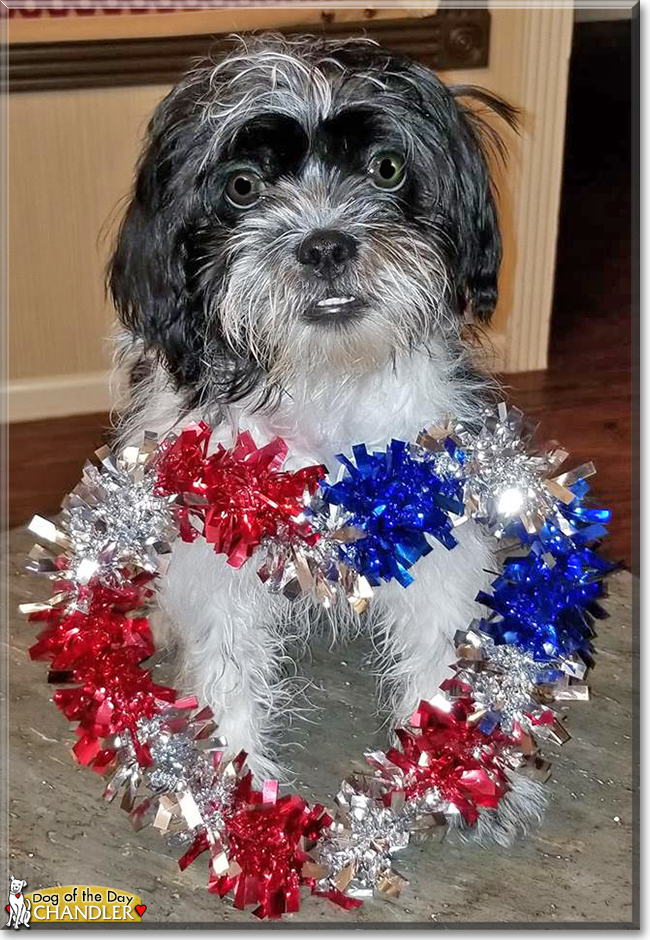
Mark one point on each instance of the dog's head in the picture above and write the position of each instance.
(301, 204)
(17, 885)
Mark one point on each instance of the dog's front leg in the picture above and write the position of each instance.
(418, 623)
(228, 630)
(417, 636)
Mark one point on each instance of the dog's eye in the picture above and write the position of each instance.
(386, 170)
(244, 188)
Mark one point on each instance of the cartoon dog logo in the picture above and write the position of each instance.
(19, 907)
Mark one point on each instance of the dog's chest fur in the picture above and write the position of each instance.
(322, 415)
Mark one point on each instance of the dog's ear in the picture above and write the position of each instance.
(477, 234)
(147, 275)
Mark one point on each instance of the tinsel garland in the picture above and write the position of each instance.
(237, 497)
(456, 759)
(396, 498)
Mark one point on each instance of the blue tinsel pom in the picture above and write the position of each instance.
(546, 601)
(395, 497)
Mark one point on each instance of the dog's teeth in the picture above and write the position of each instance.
(335, 301)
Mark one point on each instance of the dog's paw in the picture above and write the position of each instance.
(519, 812)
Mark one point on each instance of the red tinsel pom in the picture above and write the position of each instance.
(101, 651)
(268, 841)
(449, 754)
(74, 641)
(112, 696)
(180, 464)
(239, 496)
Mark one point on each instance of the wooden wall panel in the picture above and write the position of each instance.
(530, 50)
(47, 28)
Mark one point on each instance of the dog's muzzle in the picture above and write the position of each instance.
(326, 254)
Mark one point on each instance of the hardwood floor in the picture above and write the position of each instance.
(585, 398)
(592, 417)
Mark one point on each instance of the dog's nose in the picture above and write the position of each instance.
(327, 252)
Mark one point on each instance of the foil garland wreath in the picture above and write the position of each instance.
(457, 757)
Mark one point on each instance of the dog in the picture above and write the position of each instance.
(311, 231)
(19, 907)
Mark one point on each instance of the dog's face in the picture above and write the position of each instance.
(17, 885)
(301, 205)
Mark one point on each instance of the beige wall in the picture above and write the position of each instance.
(71, 157)
(71, 163)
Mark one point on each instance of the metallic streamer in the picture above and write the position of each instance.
(505, 479)
(113, 520)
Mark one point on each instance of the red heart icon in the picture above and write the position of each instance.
(17, 895)
(141, 908)
(7, 908)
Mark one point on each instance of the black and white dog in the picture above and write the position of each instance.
(312, 226)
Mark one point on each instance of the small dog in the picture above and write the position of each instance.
(312, 224)
(19, 907)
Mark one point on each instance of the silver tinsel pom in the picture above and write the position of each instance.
(505, 680)
(358, 848)
(189, 780)
(295, 569)
(112, 520)
(505, 478)
(511, 687)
